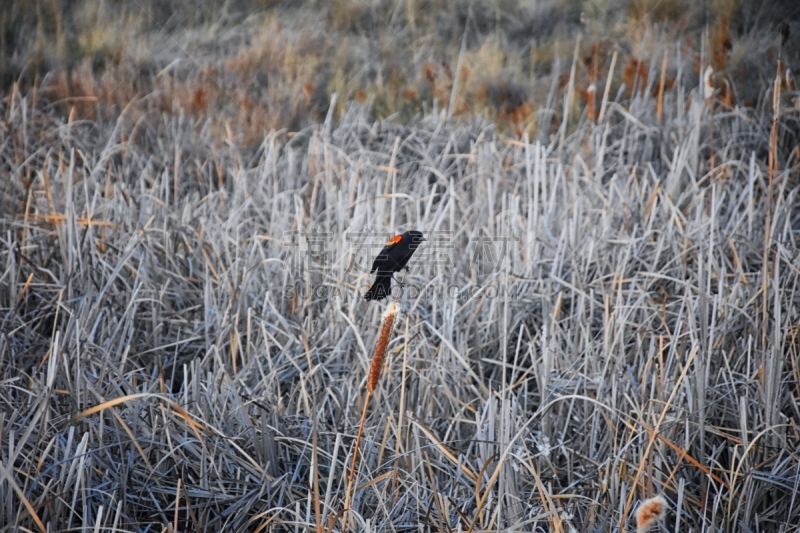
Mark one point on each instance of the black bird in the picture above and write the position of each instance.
(392, 258)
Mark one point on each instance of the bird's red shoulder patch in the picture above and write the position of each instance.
(394, 240)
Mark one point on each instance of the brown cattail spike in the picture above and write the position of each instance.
(380, 347)
(650, 512)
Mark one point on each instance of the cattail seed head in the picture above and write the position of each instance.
(650, 512)
(387, 323)
(708, 86)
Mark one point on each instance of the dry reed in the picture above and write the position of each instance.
(182, 334)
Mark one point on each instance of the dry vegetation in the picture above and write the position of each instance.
(253, 67)
(607, 310)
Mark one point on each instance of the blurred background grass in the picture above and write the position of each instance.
(252, 67)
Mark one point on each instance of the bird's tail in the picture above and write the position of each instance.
(380, 289)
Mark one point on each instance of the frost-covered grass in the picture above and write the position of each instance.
(602, 314)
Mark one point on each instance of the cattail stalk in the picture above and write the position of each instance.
(661, 81)
(765, 261)
(772, 165)
(387, 324)
(610, 76)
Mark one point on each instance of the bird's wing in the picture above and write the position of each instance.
(385, 251)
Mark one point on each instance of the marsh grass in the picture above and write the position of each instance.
(252, 67)
(623, 322)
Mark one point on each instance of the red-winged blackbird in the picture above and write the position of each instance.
(393, 258)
